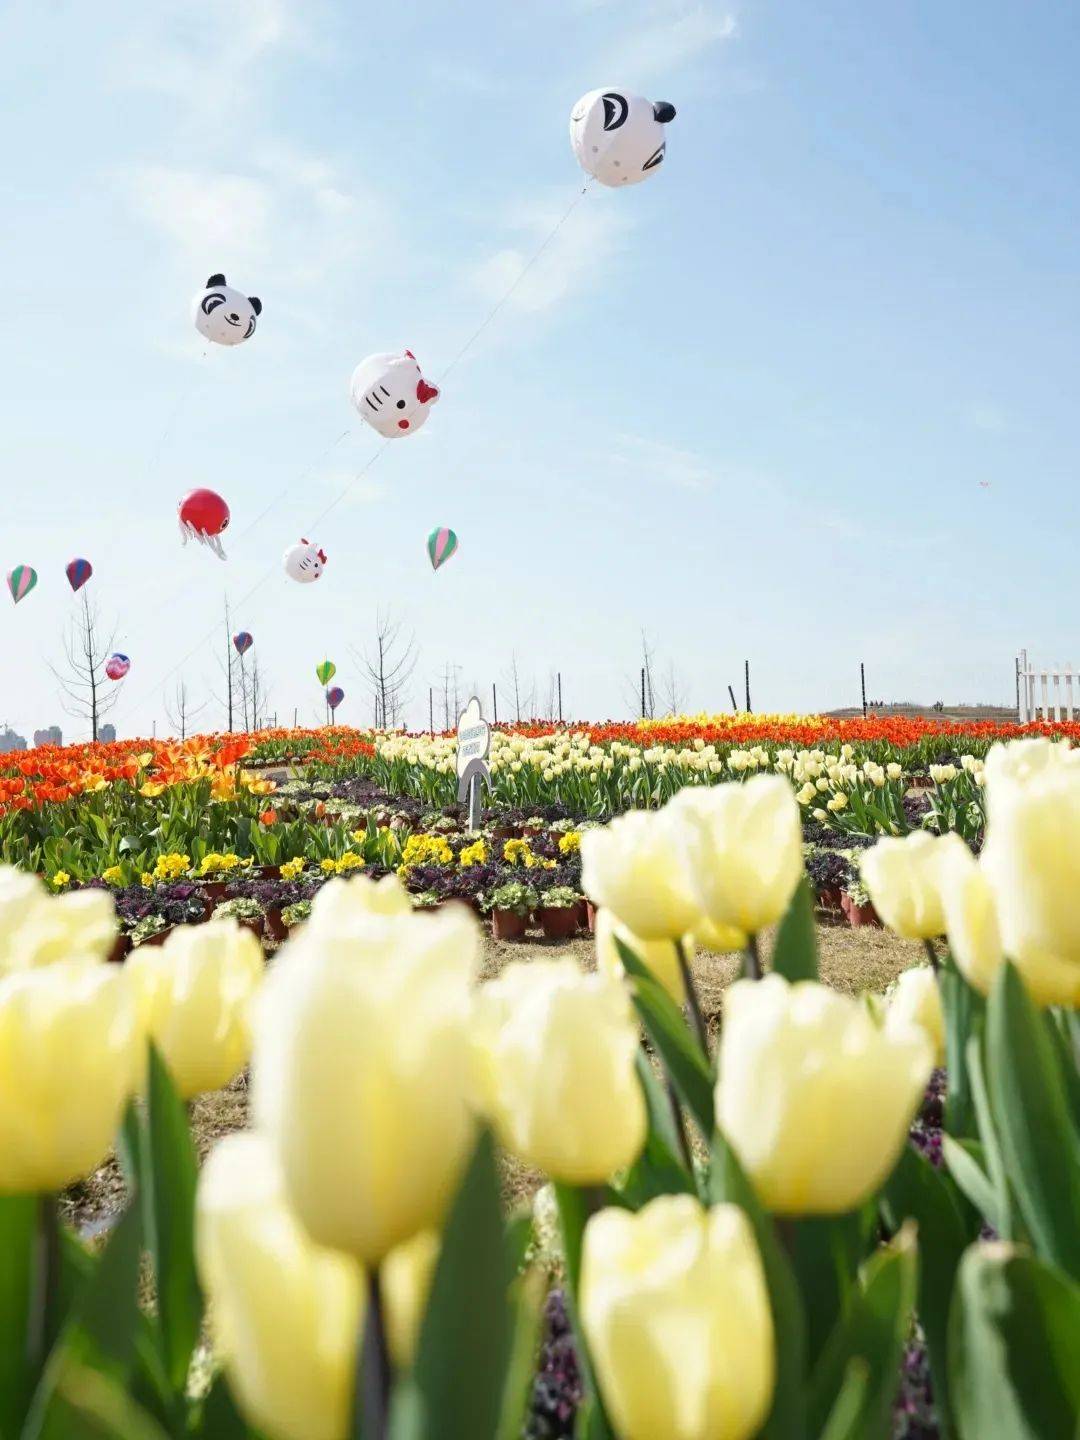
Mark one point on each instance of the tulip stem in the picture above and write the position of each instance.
(680, 1125)
(933, 955)
(752, 959)
(43, 1318)
(692, 1002)
(375, 1373)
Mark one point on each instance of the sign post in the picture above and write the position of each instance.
(473, 749)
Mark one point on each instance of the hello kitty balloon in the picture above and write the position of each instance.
(225, 315)
(304, 562)
(391, 394)
(619, 137)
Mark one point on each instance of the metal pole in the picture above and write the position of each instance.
(862, 682)
(494, 704)
(559, 678)
(1016, 665)
(734, 702)
(746, 673)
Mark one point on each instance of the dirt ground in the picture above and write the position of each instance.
(851, 961)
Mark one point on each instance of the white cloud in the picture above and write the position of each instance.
(668, 37)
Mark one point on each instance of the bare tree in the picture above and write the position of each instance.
(87, 692)
(673, 690)
(389, 669)
(638, 688)
(255, 694)
(520, 698)
(182, 712)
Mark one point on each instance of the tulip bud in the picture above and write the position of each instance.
(554, 1062)
(37, 928)
(638, 867)
(361, 1073)
(904, 881)
(916, 1000)
(971, 923)
(194, 993)
(69, 1047)
(285, 1312)
(750, 862)
(659, 956)
(786, 1053)
(676, 1314)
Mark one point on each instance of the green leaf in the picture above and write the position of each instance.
(918, 1192)
(965, 1012)
(167, 1178)
(991, 1145)
(1059, 1030)
(795, 954)
(728, 1184)
(1014, 1347)
(872, 1330)
(966, 1163)
(826, 1252)
(90, 1405)
(845, 1418)
(527, 1301)
(1028, 1097)
(659, 1169)
(575, 1206)
(677, 1048)
(18, 1226)
(218, 1418)
(460, 1368)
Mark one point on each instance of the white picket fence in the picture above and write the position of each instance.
(1040, 691)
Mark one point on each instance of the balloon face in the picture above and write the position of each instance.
(224, 315)
(619, 137)
(334, 697)
(325, 672)
(117, 666)
(78, 573)
(304, 562)
(243, 642)
(203, 517)
(391, 394)
(21, 581)
(441, 544)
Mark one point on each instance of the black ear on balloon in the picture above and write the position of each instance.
(215, 281)
(255, 303)
(664, 111)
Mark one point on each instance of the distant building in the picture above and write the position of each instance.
(10, 741)
(52, 736)
(106, 734)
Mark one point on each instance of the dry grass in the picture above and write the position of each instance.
(851, 961)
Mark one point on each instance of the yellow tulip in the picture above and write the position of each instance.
(814, 1097)
(746, 871)
(971, 923)
(554, 1062)
(405, 1276)
(195, 992)
(285, 1311)
(916, 1000)
(69, 1045)
(37, 928)
(676, 1315)
(638, 867)
(659, 956)
(345, 904)
(1032, 861)
(904, 880)
(361, 1071)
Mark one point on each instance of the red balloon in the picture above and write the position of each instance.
(203, 516)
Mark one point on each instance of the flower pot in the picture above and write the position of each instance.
(160, 937)
(508, 925)
(121, 949)
(275, 925)
(213, 891)
(559, 922)
(581, 913)
(831, 898)
(859, 915)
(506, 832)
(256, 926)
(265, 872)
(590, 916)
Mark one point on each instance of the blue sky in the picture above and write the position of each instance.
(806, 396)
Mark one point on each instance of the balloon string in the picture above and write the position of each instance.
(372, 460)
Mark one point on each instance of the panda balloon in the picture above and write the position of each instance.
(618, 137)
(225, 315)
(391, 394)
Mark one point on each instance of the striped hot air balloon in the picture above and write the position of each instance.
(21, 581)
(78, 572)
(243, 642)
(441, 544)
(335, 696)
(325, 672)
(117, 666)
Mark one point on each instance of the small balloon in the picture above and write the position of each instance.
(21, 581)
(619, 137)
(391, 394)
(441, 544)
(225, 315)
(117, 666)
(325, 672)
(243, 642)
(203, 516)
(334, 697)
(304, 562)
(78, 573)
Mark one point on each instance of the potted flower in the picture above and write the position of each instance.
(427, 900)
(294, 915)
(151, 930)
(857, 905)
(511, 905)
(559, 912)
(243, 908)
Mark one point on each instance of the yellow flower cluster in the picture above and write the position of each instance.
(292, 868)
(215, 864)
(170, 866)
(519, 852)
(474, 854)
(349, 861)
(570, 843)
(426, 850)
(114, 875)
